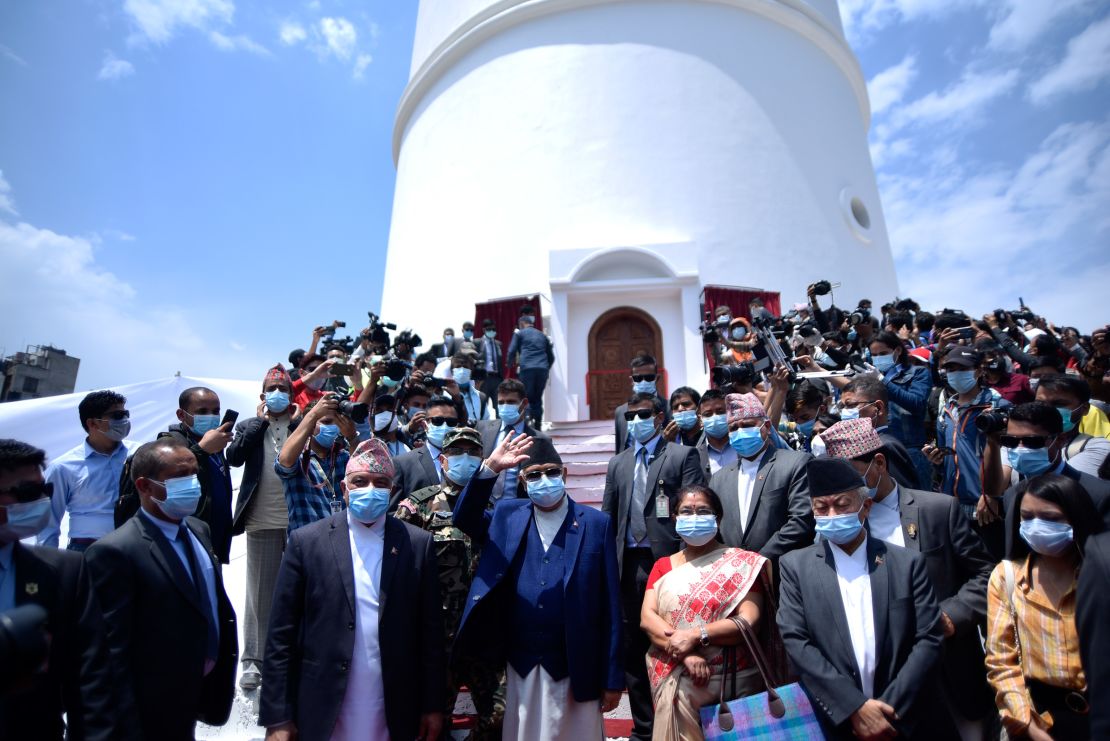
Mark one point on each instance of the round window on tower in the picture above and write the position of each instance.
(856, 214)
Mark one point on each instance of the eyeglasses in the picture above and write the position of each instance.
(643, 377)
(30, 492)
(1032, 442)
(641, 413)
(117, 415)
(700, 511)
(449, 421)
(857, 405)
(549, 472)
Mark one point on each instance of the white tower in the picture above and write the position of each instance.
(624, 153)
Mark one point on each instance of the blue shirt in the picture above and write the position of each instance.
(7, 577)
(532, 346)
(86, 484)
(956, 429)
(308, 496)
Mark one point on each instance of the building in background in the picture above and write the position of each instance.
(40, 371)
(616, 158)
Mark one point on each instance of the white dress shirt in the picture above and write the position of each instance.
(886, 521)
(855, 592)
(746, 474)
(362, 715)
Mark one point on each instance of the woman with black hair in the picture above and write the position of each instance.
(1032, 643)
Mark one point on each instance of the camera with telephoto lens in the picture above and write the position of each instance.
(992, 421)
(346, 344)
(822, 288)
(409, 338)
(741, 374)
(396, 368)
(24, 645)
(710, 329)
(859, 316)
(351, 410)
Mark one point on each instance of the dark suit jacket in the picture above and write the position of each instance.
(669, 469)
(1097, 489)
(311, 641)
(1094, 634)
(898, 460)
(621, 428)
(480, 363)
(780, 517)
(959, 567)
(590, 585)
(908, 634)
(78, 679)
(414, 470)
(453, 347)
(246, 448)
(157, 631)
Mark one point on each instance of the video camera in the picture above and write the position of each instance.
(741, 374)
(407, 337)
(859, 316)
(346, 344)
(349, 409)
(711, 329)
(329, 331)
(1022, 314)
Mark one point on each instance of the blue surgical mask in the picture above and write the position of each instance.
(852, 334)
(509, 413)
(1066, 415)
(277, 401)
(25, 519)
(436, 433)
(1046, 537)
(1028, 461)
(872, 491)
(490, 333)
(368, 504)
(388, 382)
(962, 381)
(883, 363)
(746, 441)
(739, 333)
(839, 529)
(686, 419)
(696, 529)
(643, 387)
(461, 376)
(182, 496)
(327, 435)
(468, 334)
(715, 426)
(806, 428)
(202, 423)
(547, 491)
(852, 413)
(118, 429)
(460, 468)
(642, 430)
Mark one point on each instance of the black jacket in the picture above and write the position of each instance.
(1091, 608)
(157, 632)
(246, 448)
(312, 630)
(78, 679)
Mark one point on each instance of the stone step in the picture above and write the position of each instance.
(585, 467)
(604, 447)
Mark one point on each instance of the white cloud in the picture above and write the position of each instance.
(1025, 21)
(889, 86)
(863, 18)
(361, 64)
(1085, 64)
(340, 37)
(11, 55)
(961, 101)
(292, 33)
(239, 42)
(114, 69)
(158, 20)
(7, 203)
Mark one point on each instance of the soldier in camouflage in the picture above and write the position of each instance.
(431, 508)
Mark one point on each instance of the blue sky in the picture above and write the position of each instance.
(192, 184)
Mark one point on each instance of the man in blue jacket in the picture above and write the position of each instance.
(545, 598)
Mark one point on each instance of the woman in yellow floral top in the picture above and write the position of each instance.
(1032, 643)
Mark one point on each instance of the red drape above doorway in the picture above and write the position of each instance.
(505, 313)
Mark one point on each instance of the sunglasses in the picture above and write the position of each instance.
(30, 492)
(643, 377)
(117, 415)
(449, 421)
(537, 475)
(1032, 442)
(641, 413)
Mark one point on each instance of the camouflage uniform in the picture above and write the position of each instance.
(430, 508)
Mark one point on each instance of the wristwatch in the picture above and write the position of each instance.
(704, 636)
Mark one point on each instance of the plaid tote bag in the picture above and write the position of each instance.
(779, 714)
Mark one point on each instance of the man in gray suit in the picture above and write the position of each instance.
(419, 468)
(491, 359)
(860, 621)
(764, 492)
(513, 408)
(531, 351)
(640, 489)
(956, 560)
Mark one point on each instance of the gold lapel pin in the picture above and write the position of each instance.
(912, 530)
(32, 588)
(878, 559)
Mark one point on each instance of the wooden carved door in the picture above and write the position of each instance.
(616, 337)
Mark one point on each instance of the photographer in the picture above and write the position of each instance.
(1013, 387)
(314, 377)
(684, 427)
(1040, 345)
(312, 462)
(738, 342)
(386, 425)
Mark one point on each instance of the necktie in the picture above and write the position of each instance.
(201, 587)
(639, 496)
(509, 489)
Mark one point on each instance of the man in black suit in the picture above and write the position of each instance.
(491, 358)
(765, 490)
(645, 380)
(513, 407)
(860, 621)
(956, 560)
(419, 468)
(76, 681)
(171, 628)
(865, 397)
(448, 347)
(640, 489)
(1091, 609)
(355, 649)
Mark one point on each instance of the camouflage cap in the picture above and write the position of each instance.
(461, 434)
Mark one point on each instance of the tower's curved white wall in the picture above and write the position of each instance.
(529, 127)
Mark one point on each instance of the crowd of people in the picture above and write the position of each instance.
(903, 512)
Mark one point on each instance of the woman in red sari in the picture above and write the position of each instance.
(689, 600)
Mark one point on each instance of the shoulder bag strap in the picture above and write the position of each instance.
(774, 702)
(1009, 582)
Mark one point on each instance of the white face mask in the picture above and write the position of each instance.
(384, 420)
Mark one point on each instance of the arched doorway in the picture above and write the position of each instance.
(616, 337)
